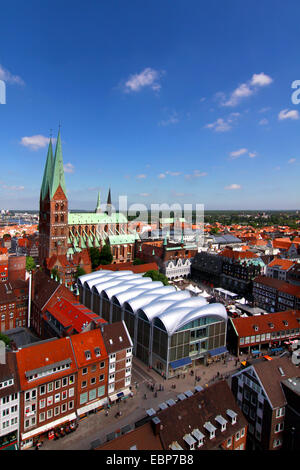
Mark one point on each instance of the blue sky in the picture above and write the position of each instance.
(165, 101)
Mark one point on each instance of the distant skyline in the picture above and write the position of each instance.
(164, 102)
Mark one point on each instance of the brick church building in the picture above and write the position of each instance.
(65, 237)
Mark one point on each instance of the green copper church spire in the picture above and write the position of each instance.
(58, 175)
(98, 207)
(47, 172)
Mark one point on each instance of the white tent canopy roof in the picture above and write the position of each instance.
(175, 318)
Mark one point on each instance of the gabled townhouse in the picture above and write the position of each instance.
(45, 292)
(274, 295)
(119, 347)
(92, 364)
(279, 268)
(9, 401)
(65, 318)
(13, 304)
(48, 384)
(261, 333)
(259, 394)
(286, 247)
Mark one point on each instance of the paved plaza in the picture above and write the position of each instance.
(96, 427)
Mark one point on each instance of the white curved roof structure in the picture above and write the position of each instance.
(123, 286)
(132, 293)
(97, 286)
(87, 277)
(96, 280)
(145, 298)
(157, 306)
(175, 318)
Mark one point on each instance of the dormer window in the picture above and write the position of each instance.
(271, 325)
(211, 429)
(190, 441)
(255, 327)
(222, 421)
(199, 436)
(232, 415)
(97, 352)
(285, 322)
(87, 354)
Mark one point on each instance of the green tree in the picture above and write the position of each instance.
(95, 257)
(79, 272)
(157, 276)
(138, 261)
(106, 256)
(30, 264)
(55, 273)
(214, 231)
(5, 339)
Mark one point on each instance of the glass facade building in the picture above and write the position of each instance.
(170, 329)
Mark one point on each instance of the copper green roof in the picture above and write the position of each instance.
(121, 239)
(93, 218)
(47, 172)
(58, 174)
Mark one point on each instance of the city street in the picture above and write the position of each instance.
(95, 428)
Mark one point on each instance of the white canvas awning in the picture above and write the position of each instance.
(48, 426)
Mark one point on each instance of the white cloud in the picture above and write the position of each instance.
(161, 176)
(238, 153)
(233, 186)
(147, 78)
(35, 142)
(252, 154)
(286, 114)
(220, 125)
(69, 168)
(261, 79)
(245, 90)
(223, 125)
(13, 188)
(292, 160)
(173, 119)
(195, 174)
(141, 176)
(7, 77)
(144, 194)
(263, 122)
(173, 173)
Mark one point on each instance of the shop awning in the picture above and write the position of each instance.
(91, 406)
(218, 351)
(180, 363)
(120, 394)
(48, 426)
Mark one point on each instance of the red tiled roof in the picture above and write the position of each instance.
(71, 315)
(281, 286)
(136, 268)
(234, 254)
(43, 354)
(283, 264)
(89, 341)
(244, 326)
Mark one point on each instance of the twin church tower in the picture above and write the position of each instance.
(68, 236)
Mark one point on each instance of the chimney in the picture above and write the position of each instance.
(157, 426)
